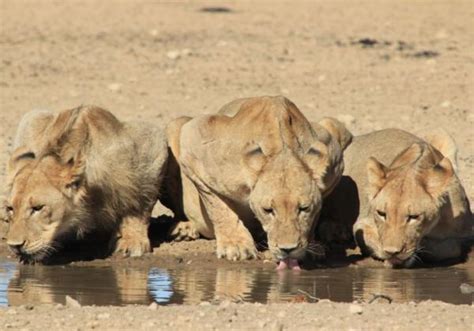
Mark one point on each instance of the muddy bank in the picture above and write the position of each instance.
(224, 316)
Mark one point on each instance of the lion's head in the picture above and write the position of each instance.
(44, 196)
(291, 183)
(286, 200)
(406, 198)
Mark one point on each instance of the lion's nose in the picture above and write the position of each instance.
(392, 250)
(287, 249)
(16, 246)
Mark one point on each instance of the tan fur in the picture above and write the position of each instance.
(82, 171)
(258, 164)
(414, 208)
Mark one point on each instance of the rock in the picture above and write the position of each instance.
(262, 324)
(114, 87)
(92, 324)
(466, 288)
(225, 304)
(153, 306)
(276, 327)
(11, 312)
(355, 309)
(186, 52)
(346, 119)
(73, 303)
(103, 316)
(173, 55)
(446, 104)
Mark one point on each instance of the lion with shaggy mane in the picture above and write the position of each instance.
(82, 171)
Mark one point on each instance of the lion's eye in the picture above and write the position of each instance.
(381, 214)
(268, 210)
(37, 208)
(9, 209)
(413, 217)
(74, 185)
(303, 209)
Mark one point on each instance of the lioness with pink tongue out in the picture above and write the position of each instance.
(257, 164)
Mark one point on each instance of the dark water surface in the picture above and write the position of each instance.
(25, 284)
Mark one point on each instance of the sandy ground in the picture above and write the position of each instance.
(227, 316)
(372, 64)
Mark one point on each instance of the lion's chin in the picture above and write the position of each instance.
(38, 255)
(401, 262)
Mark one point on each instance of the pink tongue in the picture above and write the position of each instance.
(288, 263)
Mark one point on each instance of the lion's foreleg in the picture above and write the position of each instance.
(133, 236)
(367, 237)
(233, 239)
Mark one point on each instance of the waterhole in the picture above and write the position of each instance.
(109, 285)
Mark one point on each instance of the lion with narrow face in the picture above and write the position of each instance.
(82, 171)
(413, 210)
(257, 165)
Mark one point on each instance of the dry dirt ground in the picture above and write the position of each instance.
(326, 315)
(372, 64)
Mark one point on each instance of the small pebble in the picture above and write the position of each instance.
(466, 288)
(115, 87)
(346, 119)
(11, 312)
(173, 55)
(355, 309)
(153, 306)
(103, 316)
(71, 302)
(446, 104)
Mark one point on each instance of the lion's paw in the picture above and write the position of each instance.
(184, 231)
(235, 250)
(133, 246)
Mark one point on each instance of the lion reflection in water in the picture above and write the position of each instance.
(119, 286)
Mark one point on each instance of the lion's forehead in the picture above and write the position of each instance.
(289, 178)
(272, 123)
(31, 187)
(404, 195)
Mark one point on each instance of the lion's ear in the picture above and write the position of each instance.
(173, 133)
(254, 158)
(438, 177)
(444, 143)
(376, 176)
(337, 130)
(75, 172)
(317, 159)
(20, 157)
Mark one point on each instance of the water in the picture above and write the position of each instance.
(109, 285)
